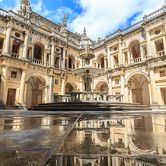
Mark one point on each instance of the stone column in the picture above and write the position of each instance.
(22, 87)
(153, 89)
(110, 86)
(64, 57)
(7, 40)
(63, 86)
(51, 86)
(105, 63)
(148, 43)
(25, 49)
(45, 58)
(120, 53)
(164, 42)
(4, 85)
(123, 86)
(109, 57)
(142, 53)
(112, 61)
(52, 55)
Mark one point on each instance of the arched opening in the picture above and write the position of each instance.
(139, 87)
(38, 52)
(134, 48)
(69, 88)
(57, 62)
(15, 49)
(35, 91)
(1, 44)
(102, 87)
(101, 61)
(70, 62)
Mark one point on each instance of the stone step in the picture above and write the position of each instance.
(87, 106)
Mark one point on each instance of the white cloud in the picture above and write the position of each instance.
(104, 16)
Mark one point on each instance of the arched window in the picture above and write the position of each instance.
(70, 63)
(1, 44)
(134, 48)
(102, 62)
(38, 51)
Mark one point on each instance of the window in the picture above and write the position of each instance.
(56, 82)
(1, 43)
(14, 74)
(117, 81)
(162, 73)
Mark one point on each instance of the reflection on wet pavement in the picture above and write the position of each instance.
(95, 140)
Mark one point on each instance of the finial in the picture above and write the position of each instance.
(84, 33)
(65, 20)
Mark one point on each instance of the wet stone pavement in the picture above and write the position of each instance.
(101, 139)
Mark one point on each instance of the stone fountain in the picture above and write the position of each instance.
(88, 72)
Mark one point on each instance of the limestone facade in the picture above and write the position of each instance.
(37, 58)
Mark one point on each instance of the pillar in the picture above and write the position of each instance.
(64, 57)
(7, 40)
(105, 64)
(110, 86)
(52, 55)
(153, 90)
(142, 53)
(22, 87)
(25, 49)
(63, 86)
(4, 85)
(123, 86)
(45, 57)
(148, 43)
(51, 86)
(109, 57)
(120, 53)
(164, 42)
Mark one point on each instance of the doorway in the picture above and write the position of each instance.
(11, 97)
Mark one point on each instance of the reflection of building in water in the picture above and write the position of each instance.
(159, 129)
(38, 58)
(102, 138)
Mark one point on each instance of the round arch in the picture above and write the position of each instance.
(138, 85)
(134, 48)
(100, 60)
(35, 90)
(136, 73)
(38, 50)
(102, 86)
(70, 87)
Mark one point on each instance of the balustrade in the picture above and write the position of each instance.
(38, 62)
(160, 53)
(88, 96)
(136, 60)
(15, 55)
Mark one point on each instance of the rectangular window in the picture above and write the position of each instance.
(162, 73)
(117, 81)
(56, 82)
(1, 43)
(13, 74)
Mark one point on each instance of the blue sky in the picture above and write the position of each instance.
(100, 17)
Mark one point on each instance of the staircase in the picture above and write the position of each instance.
(89, 106)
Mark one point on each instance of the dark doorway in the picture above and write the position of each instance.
(11, 96)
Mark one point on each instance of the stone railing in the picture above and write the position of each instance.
(160, 53)
(15, 55)
(88, 96)
(3, 12)
(136, 60)
(37, 61)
